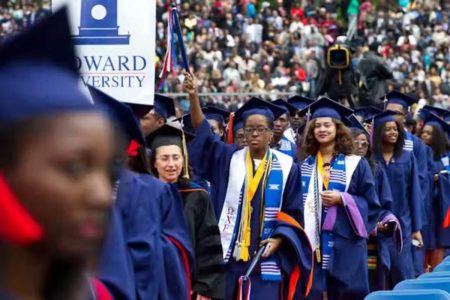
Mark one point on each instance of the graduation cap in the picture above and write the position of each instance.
(164, 106)
(291, 109)
(140, 110)
(434, 120)
(47, 41)
(215, 113)
(186, 123)
(366, 112)
(440, 112)
(120, 113)
(169, 135)
(300, 102)
(34, 82)
(384, 117)
(400, 98)
(327, 108)
(353, 123)
(256, 106)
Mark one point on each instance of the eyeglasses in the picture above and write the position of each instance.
(259, 130)
(360, 144)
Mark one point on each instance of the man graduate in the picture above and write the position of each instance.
(257, 198)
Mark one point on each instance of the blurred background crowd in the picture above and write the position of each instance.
(280, 46)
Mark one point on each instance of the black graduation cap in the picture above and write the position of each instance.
(164, 106)
(400, 98)
(300, 102)
(47, 41)
(214, 113)
(140, 110)
(384, 117)
(186, 123)
(366, 112)
(327, 108)
(256, 106)
(37, 75)
(291, 109)
(120, 113)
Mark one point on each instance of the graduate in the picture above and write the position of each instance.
(434, 134)
(216, 118)
(257, 199)
(55, 159)
(157, 256)
(154, 116)
(283, 137)
(339, 200)
(239, 134)
(401, 103)
(401, 168)
(298, 121)
(170, 164)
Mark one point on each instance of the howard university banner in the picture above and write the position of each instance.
(115, 44)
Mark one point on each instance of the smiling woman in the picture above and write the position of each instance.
(55, 179)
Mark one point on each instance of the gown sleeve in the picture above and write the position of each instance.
(415, 197)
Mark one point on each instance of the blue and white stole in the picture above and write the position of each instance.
(342, 169)
(287, 147)
(409, 142)
(445, 160)
(273, 195)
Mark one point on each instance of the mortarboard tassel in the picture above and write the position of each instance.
(230, 135)
(186, 156)
(17, 226)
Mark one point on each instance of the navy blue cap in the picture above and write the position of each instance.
(119, 113)
(167, 135)
(47, 41)
(366, 112)
(291, 109)
(37, 83)
(140, 110)
(327, 108)
(353, 123)
(400, 98)
(164, 106)
(256, 106)
(440, 112)
(434, 120)
(214, 113)
(186, 123)
(300, 102)
(384, 117)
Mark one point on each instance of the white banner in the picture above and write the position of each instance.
(115, 44)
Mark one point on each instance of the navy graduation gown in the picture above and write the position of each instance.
(152, 263)
(211, 159)
(407, 206)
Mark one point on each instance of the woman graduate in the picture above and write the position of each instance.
(436, 238)
(340, 202)
(387, 225)
(148, 253)
(55, 186)
(401, 169)
(170, 164)
(257, 198)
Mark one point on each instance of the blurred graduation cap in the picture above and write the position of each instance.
(169, 135)
(384, 117)
(366, 112)
(140, 110)
(256, 106)
(119, 113)
(300, 102)
(291, 109)
(38, 73)
(214, 113)
(164, 106)
(399, 98)
(327, 108)
(436, 121)
(47, 41)
(440, 112)
(353, 123)
(186, 124)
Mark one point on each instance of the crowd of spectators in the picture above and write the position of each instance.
(254, 46)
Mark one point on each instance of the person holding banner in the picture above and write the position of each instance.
(55, 180)
(340, 204)
(434, 134)
(257, 197)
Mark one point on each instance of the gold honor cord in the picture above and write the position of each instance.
(186, 155)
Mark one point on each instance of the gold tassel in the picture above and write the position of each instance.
(318, 255)
(186, 156)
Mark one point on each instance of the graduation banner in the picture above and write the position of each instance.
(115, 44)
